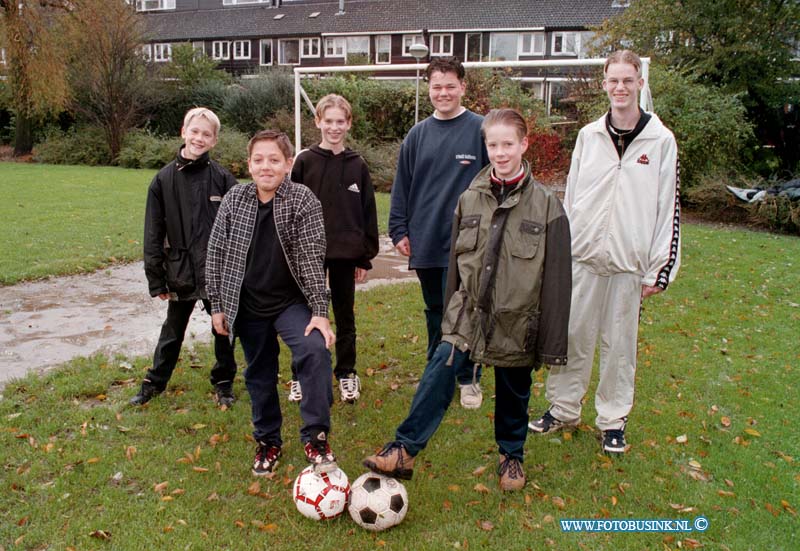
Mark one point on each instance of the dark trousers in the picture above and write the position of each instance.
(342, 282)
(433, 282)
(259, 338)
(169, 344)
(435, 392)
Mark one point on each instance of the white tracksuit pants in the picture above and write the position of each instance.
(606, 307)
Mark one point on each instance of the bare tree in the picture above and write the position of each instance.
(107, 72)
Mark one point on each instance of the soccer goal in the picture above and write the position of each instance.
(300, 95)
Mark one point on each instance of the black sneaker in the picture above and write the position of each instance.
(547, 423)
(266, 459)
(146, 393)
(223, 394)
(319, 454)
(614, 441)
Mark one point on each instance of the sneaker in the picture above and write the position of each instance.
(393, 460)
(614, 441)
(295, 392)
(223, 394)
(350, 388)
(146, 393)
(471, 396)
(512, 477)
(266, 459)
(319, 454)
(547, 423)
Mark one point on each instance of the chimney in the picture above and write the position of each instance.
(341, 8)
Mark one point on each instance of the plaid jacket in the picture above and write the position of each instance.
(301, 232)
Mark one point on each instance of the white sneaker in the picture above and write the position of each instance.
(471, 396)
(295, 392)
(350, 388)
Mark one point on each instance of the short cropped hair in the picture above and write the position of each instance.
(334, 100)
(509, 117)
(445, 65)
(202, 112)
(624, 56)
(280, 139)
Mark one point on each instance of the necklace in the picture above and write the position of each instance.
(620, 135)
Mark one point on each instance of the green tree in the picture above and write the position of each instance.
(190, 67)
(37, 84)
(746, 47)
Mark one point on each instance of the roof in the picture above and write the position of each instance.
(375, 16)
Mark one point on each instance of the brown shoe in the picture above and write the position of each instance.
(393, 460)
(512, 477)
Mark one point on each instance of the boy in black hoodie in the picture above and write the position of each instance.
(340, 179)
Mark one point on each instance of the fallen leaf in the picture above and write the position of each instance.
(682, 439)
(752, 432)
(254, 489)
(200, 469)
(479, 471)
(558, 502)
(614, 501)
(167, 498)
(485, 525)
(168, 529)
(101, 534)
(454, 488)
(548, 519)
(695, 464)
(771, 509)
(24, 520)
(130, 452)
(178, 492)
(197, 453)
(692, 543)
(566, 435)
(446, 505)
(213, 496)
(481, 488)
(729, 483)
(92, 460)
(238, 523)
(724, 493)
(725, 421)
(160, 487)
(788, 508)
(270, 528)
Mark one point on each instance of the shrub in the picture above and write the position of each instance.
(381, 159)
(143, 149)
(171, 103)
(283, 121)
(80, 145)
(231, 152)
(777, 212)
(250, 103)
(546, 154)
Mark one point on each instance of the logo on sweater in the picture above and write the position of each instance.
(643, 160)
(465, 158)
(353, 187)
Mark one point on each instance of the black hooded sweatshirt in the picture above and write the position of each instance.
(343, 185)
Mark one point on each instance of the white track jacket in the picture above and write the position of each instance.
(624, 213)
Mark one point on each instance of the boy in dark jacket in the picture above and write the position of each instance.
(182, 203)
(340, 179)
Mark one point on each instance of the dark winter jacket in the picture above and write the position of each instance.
(182, 203)
(343, 185)
(510, 275)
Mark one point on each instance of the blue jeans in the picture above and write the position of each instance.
(433, 282)
(259, 338)
(435, 392)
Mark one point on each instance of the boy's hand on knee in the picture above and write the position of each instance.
(323, 325)
(220, 323)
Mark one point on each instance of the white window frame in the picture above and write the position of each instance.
(493, 40)
(378, 38)
(437, 42)
(466, 45)
(334, 44)
(199, 48)
(409, 40)
(261, 51)
(146, 51)
(533, 50)
(159, 51)
(564, 34)
(246, 49)
(154, 5)
(221, 50)
(312, 42)
(239, 2)
(282, 41)
(2, 56)
(347, 48)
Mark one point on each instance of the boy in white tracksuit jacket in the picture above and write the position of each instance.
(622, 201)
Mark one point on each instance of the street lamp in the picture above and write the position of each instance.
(418, 51)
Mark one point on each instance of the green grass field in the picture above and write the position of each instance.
(714, 433)
(69, 219)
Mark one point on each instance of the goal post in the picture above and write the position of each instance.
(300, 95)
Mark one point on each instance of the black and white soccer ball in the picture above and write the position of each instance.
(321, 496)
(377, 502)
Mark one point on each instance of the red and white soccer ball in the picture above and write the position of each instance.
(377, 502)
(321, 496)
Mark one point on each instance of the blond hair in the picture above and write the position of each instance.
(202, 112)
(334, 100)
(509, 117)
(624, 56)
